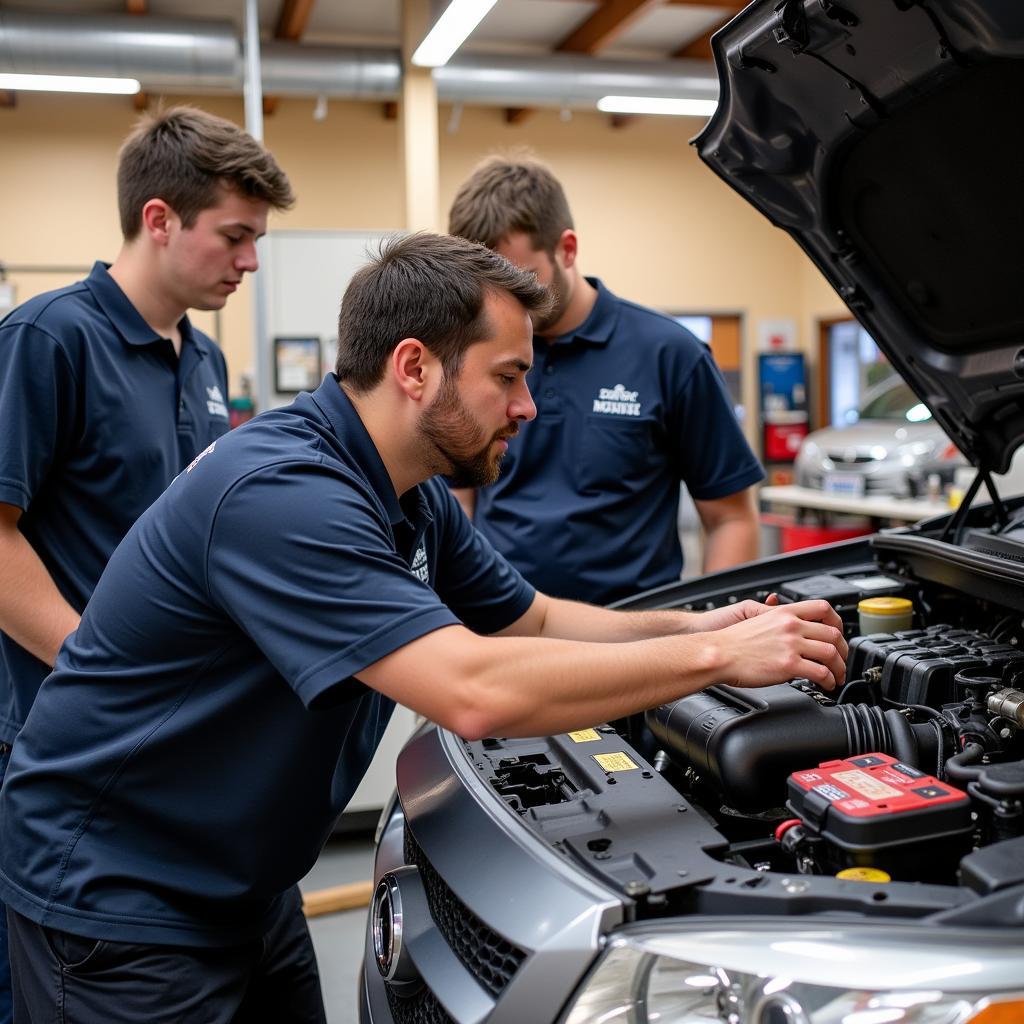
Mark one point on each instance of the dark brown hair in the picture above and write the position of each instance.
(510, 194)
(184, 156)
(429, 287)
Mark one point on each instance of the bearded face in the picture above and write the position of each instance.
(461, 447)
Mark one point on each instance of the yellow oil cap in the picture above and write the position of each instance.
(865, 874)
(885, 605)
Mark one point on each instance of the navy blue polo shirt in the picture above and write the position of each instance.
(204, 727)
(97, 416)
(629, 405)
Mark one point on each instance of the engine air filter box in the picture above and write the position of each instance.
(873, 810)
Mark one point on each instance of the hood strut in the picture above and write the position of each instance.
(956, 521)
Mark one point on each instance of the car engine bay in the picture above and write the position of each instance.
(902, 793)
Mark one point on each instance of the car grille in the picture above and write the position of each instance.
(422, 1008)
(491, 959)
(848, 460)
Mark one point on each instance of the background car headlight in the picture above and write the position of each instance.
(781, 972)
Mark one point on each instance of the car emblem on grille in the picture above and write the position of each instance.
(386, 915)
(388, 930)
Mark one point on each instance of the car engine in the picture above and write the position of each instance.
(891, 809)
(912, 772)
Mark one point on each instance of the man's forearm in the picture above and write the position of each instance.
(529, 686)
(33, 612)
(731, 543)
(572, 620)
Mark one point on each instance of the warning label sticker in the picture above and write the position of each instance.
(584, 735)
(618, 762)
(830, 792)
(866, 785)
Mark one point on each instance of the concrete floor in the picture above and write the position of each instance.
(338, 938)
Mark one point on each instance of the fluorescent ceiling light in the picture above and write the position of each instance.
(450, 31)
(656, 105)
(69, 83)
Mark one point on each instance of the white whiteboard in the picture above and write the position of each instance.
(306, 274)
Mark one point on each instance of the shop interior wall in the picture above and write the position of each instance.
(654, 223)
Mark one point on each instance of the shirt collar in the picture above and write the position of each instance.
(600, 322)
(348, 427)
(127, 320)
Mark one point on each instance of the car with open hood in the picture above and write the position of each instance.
(781, 855)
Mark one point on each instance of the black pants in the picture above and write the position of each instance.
(61, 978)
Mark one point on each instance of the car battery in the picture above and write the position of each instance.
(875, 811)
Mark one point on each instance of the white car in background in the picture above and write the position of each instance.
(893, 447)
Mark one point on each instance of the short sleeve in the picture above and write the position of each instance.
(38, 409)
(474, 580)
(301, 557)
(712, 456)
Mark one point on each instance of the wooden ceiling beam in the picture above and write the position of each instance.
(293, 18)
(729, 5)
(605, 25)
(517, 115)
(699, 48)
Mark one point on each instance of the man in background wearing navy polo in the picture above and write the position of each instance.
(239, 660)
(107, 391)
(629, 403)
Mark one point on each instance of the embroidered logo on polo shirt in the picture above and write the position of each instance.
(202, 455)
(215, 402)
(420, 569)
(617, 401)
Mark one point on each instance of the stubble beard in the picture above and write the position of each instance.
(455, 443)
(559, 289)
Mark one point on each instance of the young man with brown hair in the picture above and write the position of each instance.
(106, 389)
(238, 662)
(629, 404)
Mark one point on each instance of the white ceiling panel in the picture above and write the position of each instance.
(537, 23)
(664, 30)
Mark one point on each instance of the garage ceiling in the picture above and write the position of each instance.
(628, 28)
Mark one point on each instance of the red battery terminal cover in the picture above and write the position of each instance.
(874, 800)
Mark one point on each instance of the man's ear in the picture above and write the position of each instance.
(567, 248)
(414, 367)
(157, 217)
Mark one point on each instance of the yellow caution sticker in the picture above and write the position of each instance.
(864, 875)
(618, 762)
(584, 735)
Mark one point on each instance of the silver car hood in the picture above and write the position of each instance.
(891, 435)
(887, 138)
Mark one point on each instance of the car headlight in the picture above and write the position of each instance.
(781, 972)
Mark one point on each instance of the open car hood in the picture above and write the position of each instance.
(887, 138)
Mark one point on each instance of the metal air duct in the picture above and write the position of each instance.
(194, 56)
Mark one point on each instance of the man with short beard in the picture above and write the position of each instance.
(242, 653)
(629, 404)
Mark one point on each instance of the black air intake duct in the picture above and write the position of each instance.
(746, 743)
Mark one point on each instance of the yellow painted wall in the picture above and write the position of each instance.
(654, 223)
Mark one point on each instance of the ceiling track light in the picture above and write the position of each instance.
(657, 105)
(450, 31)
(69, 83)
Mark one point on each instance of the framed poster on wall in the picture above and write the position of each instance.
(297, 364)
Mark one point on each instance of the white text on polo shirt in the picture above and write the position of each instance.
(617, 401)
(215, 402)
(202, 455)
(420, 569)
